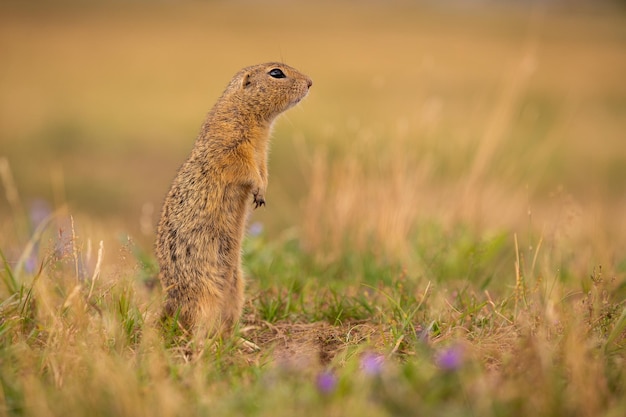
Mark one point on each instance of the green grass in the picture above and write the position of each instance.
(444, 231)
(515, 345)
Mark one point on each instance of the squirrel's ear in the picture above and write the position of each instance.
(245, 81)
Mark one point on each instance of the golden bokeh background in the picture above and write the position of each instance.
(474, 112)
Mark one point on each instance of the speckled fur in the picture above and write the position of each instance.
(202, 223)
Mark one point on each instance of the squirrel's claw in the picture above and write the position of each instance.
(258, 201)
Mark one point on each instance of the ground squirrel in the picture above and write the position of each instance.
(202, 223)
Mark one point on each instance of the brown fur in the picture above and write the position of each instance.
(202, 224)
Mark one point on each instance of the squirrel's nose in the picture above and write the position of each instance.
(309, 83)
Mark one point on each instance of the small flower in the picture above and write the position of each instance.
(30, 266)
(326, 382)
(450, 359)
(39, 211)
(255, 229)
(372, 363)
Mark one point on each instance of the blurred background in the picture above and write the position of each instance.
(503, 115)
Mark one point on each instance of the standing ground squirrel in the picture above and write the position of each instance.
(202, 224)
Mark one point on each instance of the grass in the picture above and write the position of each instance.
(444, 232)
(531, 344)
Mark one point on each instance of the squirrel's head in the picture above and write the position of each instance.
(269, 89)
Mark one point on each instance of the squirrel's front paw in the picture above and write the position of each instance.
(259, 199)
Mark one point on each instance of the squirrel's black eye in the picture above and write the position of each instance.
(276, 73)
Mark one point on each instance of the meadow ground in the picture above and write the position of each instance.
(444, 234)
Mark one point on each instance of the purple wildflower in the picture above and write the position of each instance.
(30, 266)
(450, 359)
(372, 363)
(326, 382)
(39, 211)
(255, 229)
